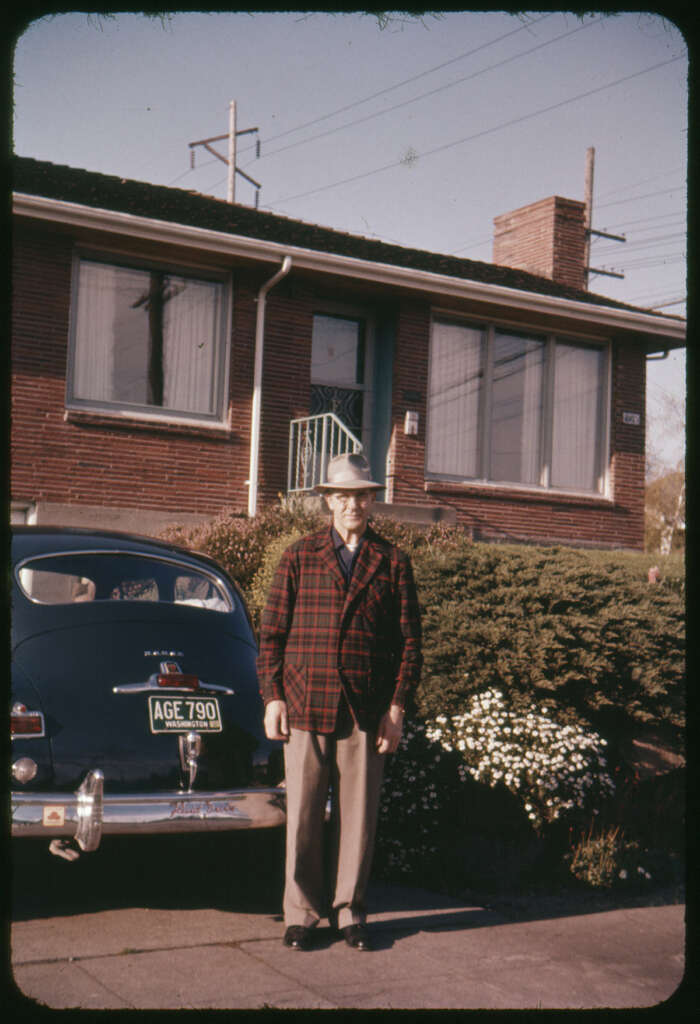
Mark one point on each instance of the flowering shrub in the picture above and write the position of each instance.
(239, 544)
(552, 768)
(418, 797)
(552, 624)
(609, 859)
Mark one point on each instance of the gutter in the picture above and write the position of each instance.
(257, 385)
(228, 245)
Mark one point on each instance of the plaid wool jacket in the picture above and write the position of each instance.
(319, 635)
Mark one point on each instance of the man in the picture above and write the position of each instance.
(339, 654)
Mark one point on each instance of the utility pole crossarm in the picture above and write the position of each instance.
(605, 234)
(607, 273)
(211, 150)
(589, 231)
(203, 142)
(230, 160)
(248, 178)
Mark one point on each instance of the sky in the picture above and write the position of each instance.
(417, 131)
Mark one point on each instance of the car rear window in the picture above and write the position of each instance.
(76, 577)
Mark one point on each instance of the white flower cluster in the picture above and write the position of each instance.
(552, 768)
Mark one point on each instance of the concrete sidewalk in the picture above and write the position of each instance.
(431, 952)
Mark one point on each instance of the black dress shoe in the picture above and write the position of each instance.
(357, 937)
(297, 937)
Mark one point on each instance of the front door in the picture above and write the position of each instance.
(338, 370)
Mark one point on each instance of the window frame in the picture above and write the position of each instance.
(30, 564)
(151, 413)
(23, 513)
(365, 316)
(550, 339)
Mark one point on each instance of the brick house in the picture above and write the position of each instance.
(174, 356)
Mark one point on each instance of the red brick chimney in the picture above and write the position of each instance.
(546, 238)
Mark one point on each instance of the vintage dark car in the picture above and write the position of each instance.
(135, 706)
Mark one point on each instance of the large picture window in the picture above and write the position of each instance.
(512, 407)
(147, 339)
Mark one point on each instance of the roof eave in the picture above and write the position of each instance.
(662, 332)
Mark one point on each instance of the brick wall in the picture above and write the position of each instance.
(93, 459)
(286, 380)
(497, 513)
(545, 238)
(410, 391)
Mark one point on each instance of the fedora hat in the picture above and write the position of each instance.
(349, 472)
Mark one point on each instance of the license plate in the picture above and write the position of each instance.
(184, 714)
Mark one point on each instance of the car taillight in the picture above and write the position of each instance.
(178, 679)
(26, 723)
(171, 675)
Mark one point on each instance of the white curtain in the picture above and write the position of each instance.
(454, 397)
(577, 417)
(335, 351)
(192, 315)
(93, 367)
(112, 339)
(516, 418)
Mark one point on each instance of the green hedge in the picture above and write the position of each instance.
(583, 628)
(579, 636)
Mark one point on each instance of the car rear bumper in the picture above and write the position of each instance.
(88, 814)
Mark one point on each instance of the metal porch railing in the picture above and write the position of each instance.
(313, 440)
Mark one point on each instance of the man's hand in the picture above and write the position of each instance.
(390, 730)
(276, 721)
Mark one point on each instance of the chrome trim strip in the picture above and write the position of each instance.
(148, 814)
(151, 687)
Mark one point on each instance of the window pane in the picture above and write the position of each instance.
(578, 418)
(147, 338)
(90, 576)
(191, 320)
(454, 400)
(516, 409)
(337, 350)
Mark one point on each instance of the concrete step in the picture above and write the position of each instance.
(420, 515)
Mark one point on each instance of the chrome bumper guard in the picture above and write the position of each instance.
(88, 814)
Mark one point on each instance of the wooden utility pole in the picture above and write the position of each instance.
(232, 152)
(230, 160)
(588, 200)
(588, 220)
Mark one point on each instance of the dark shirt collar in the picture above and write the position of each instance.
(346, 557)
(338, 541)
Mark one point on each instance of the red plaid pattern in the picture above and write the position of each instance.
(317, 635)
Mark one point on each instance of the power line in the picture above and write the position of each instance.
(643, 181)
(619, 225)
(481, 134)
(407, 81)
(672, 302)
(647, 195)
(432, 92)
(648, 220)
(642, 243)
(648, 262)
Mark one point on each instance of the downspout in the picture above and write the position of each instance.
(257, 385)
